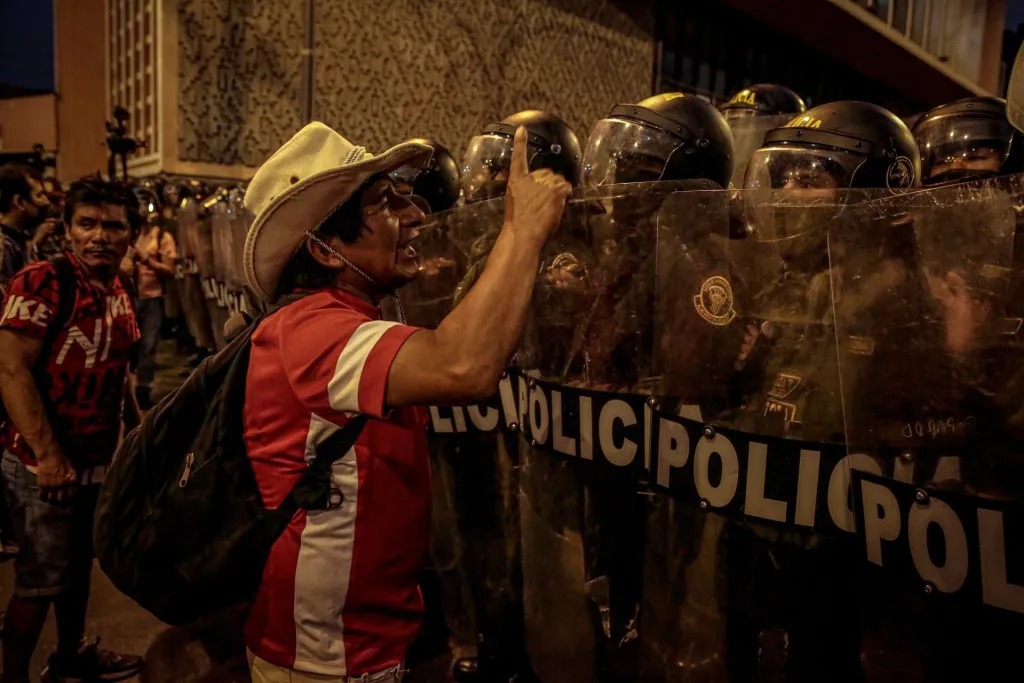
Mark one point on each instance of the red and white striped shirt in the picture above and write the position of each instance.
(340, 592)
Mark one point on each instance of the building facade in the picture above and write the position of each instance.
(212, 87)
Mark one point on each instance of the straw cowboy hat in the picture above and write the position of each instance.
(299, 187)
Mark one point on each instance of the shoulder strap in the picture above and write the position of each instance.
(66, 292)
(337, 445)
(313, 490)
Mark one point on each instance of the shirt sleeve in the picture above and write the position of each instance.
(338, 360)
(31, 300)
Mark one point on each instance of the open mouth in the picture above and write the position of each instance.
(407, 249)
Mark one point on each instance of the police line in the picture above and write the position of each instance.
(939, 542)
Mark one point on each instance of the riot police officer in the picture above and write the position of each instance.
(751, 113)
(476, 531)
(980, 301)
(968, 139)
(792, 598)
(437, 185)
(553, 145)
(584, 528)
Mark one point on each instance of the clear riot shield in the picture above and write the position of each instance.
(932, 372)
(220, 237)
(747, 137)
(475, 533)
(197, 315)
(588, 345)
(745, 575)
(207, 267)
(239, 220)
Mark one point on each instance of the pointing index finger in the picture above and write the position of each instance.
(520, 166)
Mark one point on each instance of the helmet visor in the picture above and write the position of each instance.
(809, 172)
(405, 179)
(740, 114)
(963, 147)
(623, 151)
(748, 136)
(485, 169)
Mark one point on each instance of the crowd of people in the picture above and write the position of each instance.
(95, 276)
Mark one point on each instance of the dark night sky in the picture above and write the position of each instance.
(26, 44)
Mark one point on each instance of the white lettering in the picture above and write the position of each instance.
(483, 418)
(807, 487)
(460, 419)
(561, 443)
(757, 504)
(523, 398)
(881, 518)
(949, 577)
(612, 412)
(76, 336)
(839, 488)
(41, 314)
(508, 399)
(540, 420)
(995, 589)
(721, 495)
(673, 449)
(441, 425)
(586, 428)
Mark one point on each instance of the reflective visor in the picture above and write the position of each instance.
(811, 169)
(622, 151)
(962, 147)
(748, 134)
(742, 114)
(485, 168)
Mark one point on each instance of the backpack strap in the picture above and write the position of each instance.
(67, 290)
(313, 491)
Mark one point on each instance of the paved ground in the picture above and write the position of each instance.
(204, 653)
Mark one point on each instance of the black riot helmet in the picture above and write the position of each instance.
(436, 186)
(751, 113)
(552, 145)
(671, 136)
(763, 99)
(968, 139)
(837, 146)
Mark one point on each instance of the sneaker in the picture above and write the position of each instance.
(91, 665)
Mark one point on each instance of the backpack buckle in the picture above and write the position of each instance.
(335, 498)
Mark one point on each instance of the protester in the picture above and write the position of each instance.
(23, 207)
(154, 257)
(65, 387)
(339, 595)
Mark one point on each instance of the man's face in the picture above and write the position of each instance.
(384, 250)
(33, 208)
(980, 159)
(100, 236)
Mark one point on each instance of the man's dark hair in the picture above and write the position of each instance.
(14, 183)
(94, 191)
(346, 222)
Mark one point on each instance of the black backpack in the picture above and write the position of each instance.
(181, 527)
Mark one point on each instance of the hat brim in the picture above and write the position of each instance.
(280, 229)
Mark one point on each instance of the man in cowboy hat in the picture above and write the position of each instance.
(339, 596)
